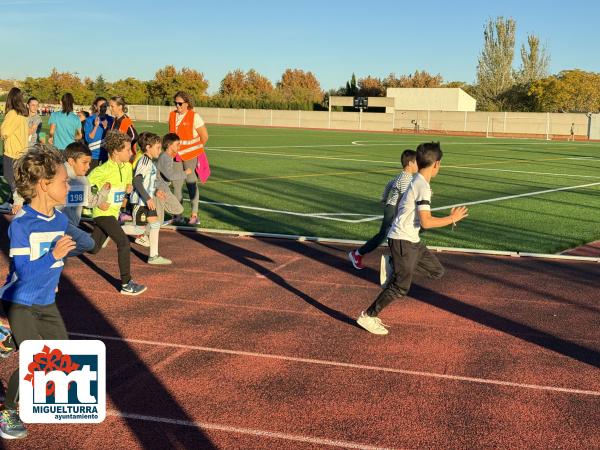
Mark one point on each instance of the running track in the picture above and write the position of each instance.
(251, 344)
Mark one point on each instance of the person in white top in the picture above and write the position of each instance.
(409, 256)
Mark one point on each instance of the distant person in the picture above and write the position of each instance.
(95, 128)
(83, 115)
(34, 121)
(65, 126)
(15, 134)
(392, 194)
(572, 138)
(409, 256)
(190, 127)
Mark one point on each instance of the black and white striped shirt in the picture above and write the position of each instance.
(395, 188)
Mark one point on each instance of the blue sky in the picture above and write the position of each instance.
(331, 38)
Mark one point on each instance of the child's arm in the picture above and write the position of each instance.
(100, 197)
(138, 185)
(96, 176)
(165, 167)
(20, 252)
(456, 214)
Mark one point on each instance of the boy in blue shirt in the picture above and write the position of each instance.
(38, 244)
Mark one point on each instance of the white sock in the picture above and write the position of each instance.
(154, 232)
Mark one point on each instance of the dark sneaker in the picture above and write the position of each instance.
(356, 259)
(11, 426)
(132, 288)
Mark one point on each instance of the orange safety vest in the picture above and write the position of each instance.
(189, 146)
(123, 127)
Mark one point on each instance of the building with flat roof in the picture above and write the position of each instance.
(430, 99)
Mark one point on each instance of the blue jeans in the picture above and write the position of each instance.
(83, 241)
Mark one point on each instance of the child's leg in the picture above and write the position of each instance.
(98, 236)
(153, 230)
(191, 181)
(83, 241)
(111, 228)
(388, 217)
(428, 265)
(404, 257)
(23, 325)
(170, 205)
(50, 323)
(178, 184)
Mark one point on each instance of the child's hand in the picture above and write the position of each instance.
(16, 208)
(162, 195)
(96, 122)
(188, 171)
(150, 205)
(129, 188)
(63, 246)
(106, 186)
(104, 206)
(459, 213)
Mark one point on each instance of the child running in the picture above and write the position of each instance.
(79, 158)
(117, 172)
(409, 256)
(392, 193)
(151, 202)
(38, 244)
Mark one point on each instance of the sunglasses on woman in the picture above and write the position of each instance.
(179, 103)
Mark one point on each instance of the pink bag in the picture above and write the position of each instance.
(203, 168)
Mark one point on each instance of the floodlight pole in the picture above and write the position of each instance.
(360, 118)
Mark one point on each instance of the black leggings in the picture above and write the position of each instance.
(8, 171)
(108, 226)
(31, 322)
(388, 217)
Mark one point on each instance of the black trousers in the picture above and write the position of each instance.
(31, 322)
(108, 226)
(409, 259)
(388, 217)
(8, 171)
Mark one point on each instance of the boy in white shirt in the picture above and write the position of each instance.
(409, 255)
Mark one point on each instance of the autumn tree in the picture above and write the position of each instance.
(371, 87)
(168, 80)
(54, 86)
(300, 87)
(249, 84)
(494, 68)
(534, 61)
(569, 91)
(420, 79)
(133, 90)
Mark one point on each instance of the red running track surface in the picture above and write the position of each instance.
(251, 344)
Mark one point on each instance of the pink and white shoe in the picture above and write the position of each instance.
(194, 220)
(356, 259)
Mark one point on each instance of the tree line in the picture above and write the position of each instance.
(498, 86)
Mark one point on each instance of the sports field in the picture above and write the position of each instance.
(524, 195)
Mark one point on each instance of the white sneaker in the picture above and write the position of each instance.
(371, 324)
(386, 270)
(143, 240)
(159, 260)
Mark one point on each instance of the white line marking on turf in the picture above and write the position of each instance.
(520, 171)
(509, 197)
(325, 216)
(290, 155)
(249, 431)
(324, 362)
(372, 217)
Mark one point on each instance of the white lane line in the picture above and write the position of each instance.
(509, 197)
(520, 171)
(291, 155)
(248, 431)
(324, 362)
(325, 216)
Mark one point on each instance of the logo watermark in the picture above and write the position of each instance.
(62, 381)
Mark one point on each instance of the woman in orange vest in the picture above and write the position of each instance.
(190, 128)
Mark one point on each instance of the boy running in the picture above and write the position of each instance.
(79, 158)
(117, 172)
(392, 193)
(151, 201)
(409, 255)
